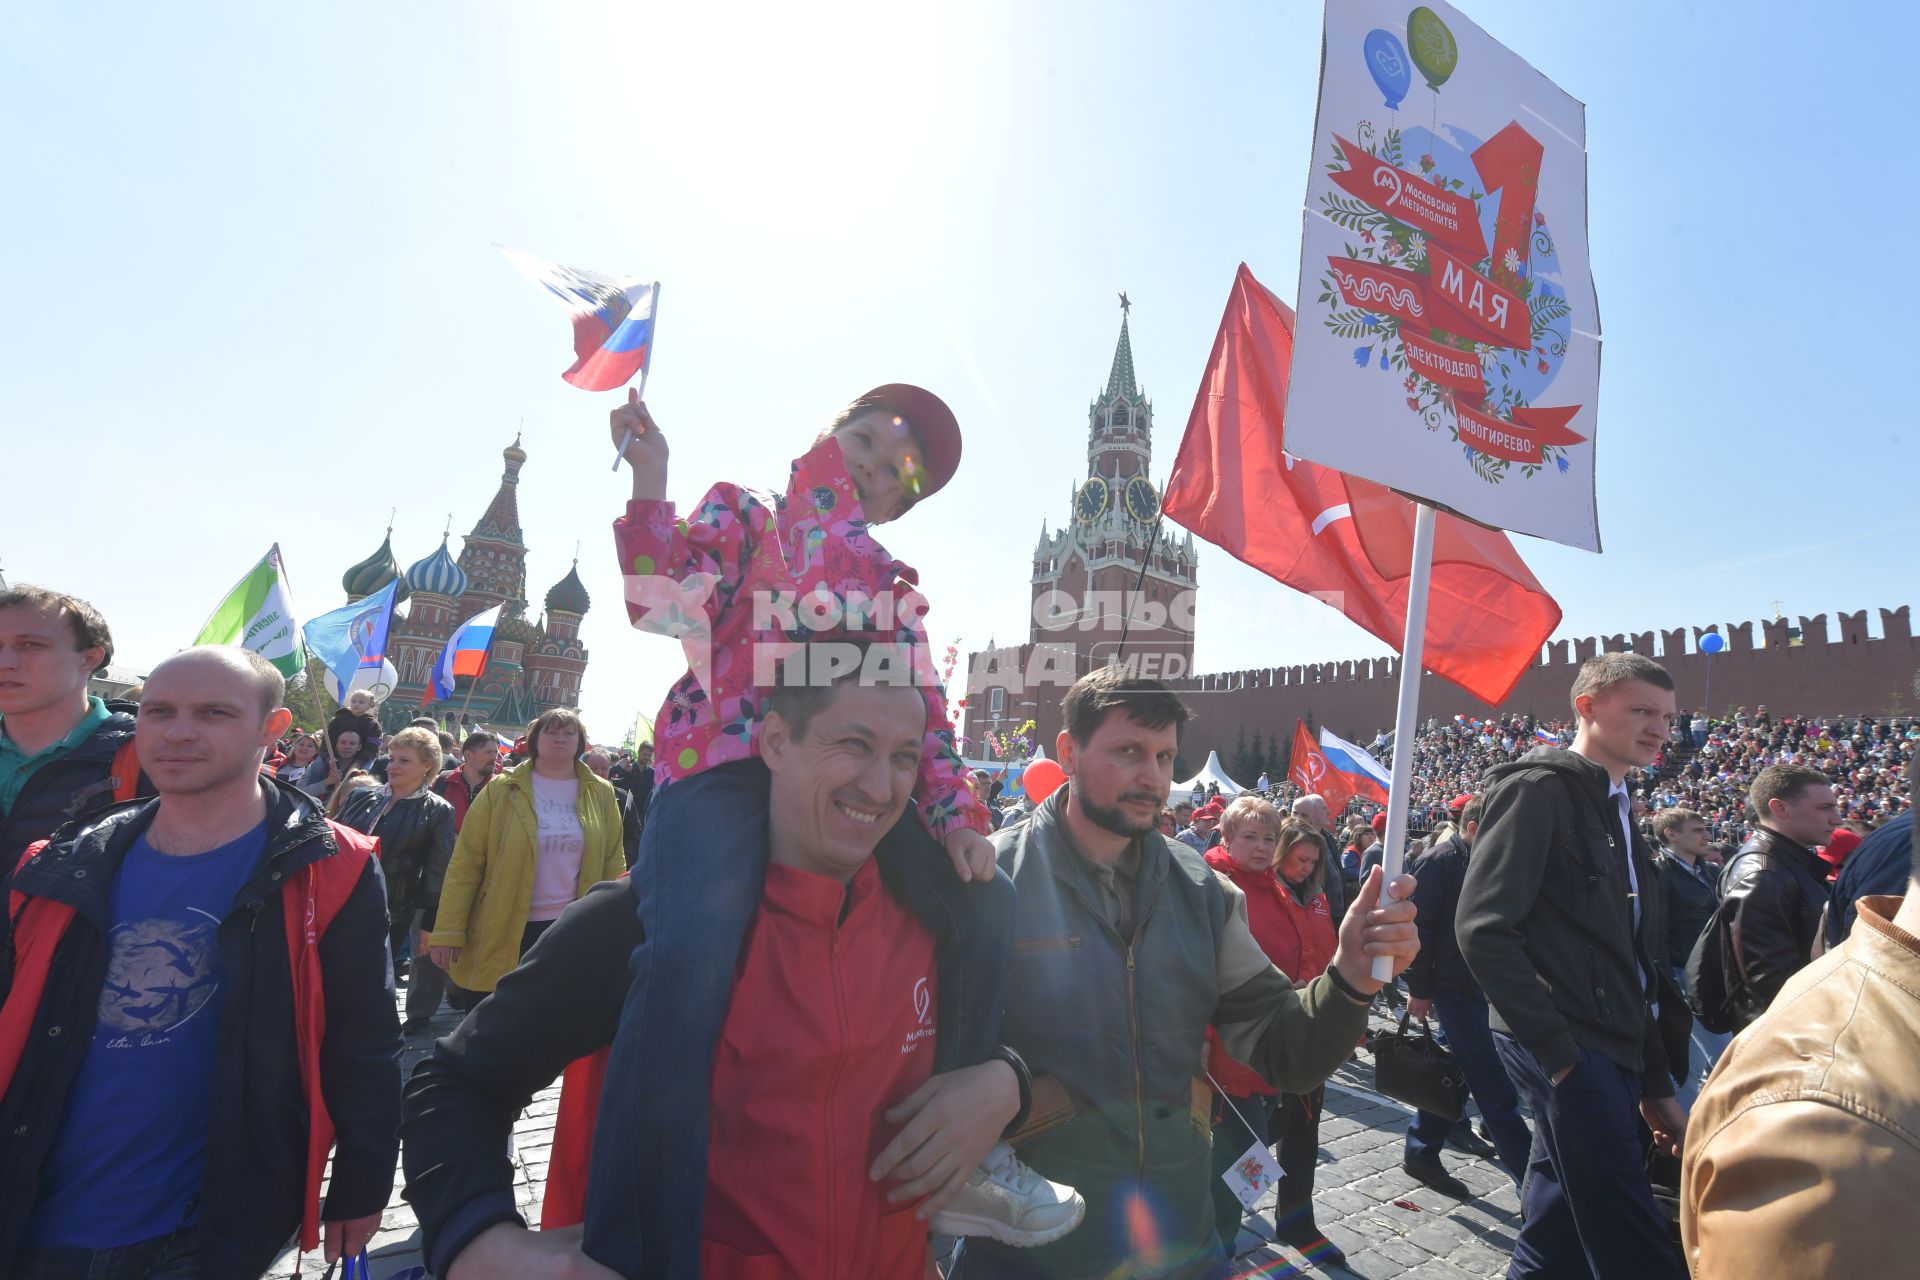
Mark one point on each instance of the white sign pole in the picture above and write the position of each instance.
(1405, 731)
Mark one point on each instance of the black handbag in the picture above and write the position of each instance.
(1418, 1070)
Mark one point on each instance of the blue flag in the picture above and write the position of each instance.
(352, 637)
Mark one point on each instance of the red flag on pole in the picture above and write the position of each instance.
(1344, 540)
(1309, 770)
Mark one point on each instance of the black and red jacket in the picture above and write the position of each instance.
(261, 1172)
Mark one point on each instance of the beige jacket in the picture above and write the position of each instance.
(1803, 1151)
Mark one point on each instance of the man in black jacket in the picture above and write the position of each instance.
(1777, 885)
(1689, 884)
(1689, 890)
(156, 1121)
(57, 743)
(1439, 983)
(601, 763)
(1560, 924)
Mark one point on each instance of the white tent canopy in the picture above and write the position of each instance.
(1211, 772)
(997, 767)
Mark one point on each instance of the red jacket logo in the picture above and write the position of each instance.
(922, 1015)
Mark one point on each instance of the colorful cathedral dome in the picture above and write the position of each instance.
(375, 572)
(569, 595)
(438, 574)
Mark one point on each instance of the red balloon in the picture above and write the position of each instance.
(1043, 778)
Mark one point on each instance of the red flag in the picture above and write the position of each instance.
(1310, 771)
(1346, 540)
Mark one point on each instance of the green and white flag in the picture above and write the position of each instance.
(258, 615)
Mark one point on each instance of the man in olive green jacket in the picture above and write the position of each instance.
(1127, 945)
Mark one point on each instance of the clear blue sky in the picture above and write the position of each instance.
(250, 298)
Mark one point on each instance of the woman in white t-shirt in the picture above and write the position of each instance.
(535, 839)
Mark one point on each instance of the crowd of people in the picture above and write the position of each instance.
(816, 1010)
(1707, 767)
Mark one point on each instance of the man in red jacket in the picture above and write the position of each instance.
(833, 1140)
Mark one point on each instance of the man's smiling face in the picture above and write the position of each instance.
(844, 777)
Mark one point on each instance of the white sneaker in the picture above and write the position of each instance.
(1011, 1203)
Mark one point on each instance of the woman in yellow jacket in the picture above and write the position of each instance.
(535, 839)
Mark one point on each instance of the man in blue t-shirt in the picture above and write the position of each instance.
(128, 1158)
(156, 1121)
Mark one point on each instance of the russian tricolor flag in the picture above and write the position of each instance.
(1547, 735)
(465, 655)
(612, 319)
(1359, 770)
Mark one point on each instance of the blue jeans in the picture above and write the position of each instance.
(698, 880)
(1464, 1020)
(1587, 1208)
(168, 1257)
(1706, 1047)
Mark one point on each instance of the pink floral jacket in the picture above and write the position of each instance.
(802, 556)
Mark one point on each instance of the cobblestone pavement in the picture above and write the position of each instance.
(1388, 1224)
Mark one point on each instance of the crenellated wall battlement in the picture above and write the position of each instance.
(1818, 665)
(1810, 634)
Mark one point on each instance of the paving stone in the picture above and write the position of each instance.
(1475, 1258)
(1438, 1238)
(1403, 1251)
(1444, 1269)
(1342, 1201)
(1374, 1265)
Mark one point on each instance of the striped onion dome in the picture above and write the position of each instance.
(375, 572)
(438, 574)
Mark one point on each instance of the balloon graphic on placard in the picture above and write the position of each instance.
(1713, 642)
(1387, 63)
(1432, 45)
(1042, 779)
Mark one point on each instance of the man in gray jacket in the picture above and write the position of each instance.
(1126, 947)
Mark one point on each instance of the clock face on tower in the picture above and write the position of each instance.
(1091, 502)
(1142, 502)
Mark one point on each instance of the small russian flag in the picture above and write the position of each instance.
(612, 319)
(1545, 735)
(465, 655)
(1362, 773)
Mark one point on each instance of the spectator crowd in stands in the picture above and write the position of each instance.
(1707, 767)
